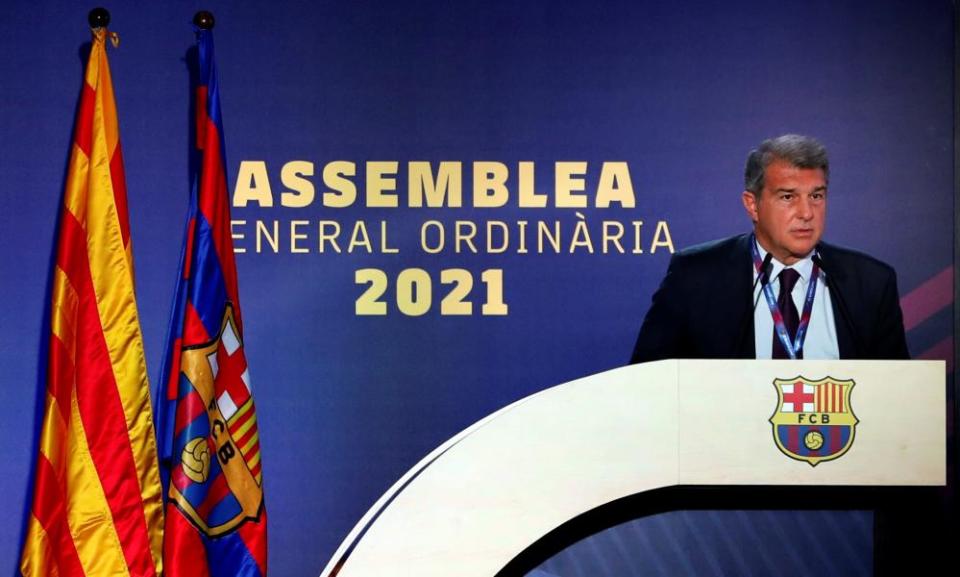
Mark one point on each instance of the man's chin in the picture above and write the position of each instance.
(802, 251)
(803, 243)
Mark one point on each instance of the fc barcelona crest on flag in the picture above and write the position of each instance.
(813, 421)
(217, 483)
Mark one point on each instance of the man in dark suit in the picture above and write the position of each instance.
(705, 307)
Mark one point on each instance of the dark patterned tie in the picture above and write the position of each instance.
(791, 318)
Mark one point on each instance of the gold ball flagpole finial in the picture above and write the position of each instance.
(99, 17)
(204, 20)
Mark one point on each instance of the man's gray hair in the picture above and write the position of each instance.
(799, 151)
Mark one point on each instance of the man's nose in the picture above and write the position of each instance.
(805, 208)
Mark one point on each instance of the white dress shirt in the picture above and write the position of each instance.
(821, 339)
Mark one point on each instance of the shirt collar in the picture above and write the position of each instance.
(803, 266)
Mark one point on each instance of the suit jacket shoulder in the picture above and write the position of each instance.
(700, 308)
(866, 304)
(715, 253)
(848, 258)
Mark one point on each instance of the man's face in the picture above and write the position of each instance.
(789, 214)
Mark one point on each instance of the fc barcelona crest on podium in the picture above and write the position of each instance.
(813, 421)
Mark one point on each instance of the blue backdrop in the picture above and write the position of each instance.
(347, 402)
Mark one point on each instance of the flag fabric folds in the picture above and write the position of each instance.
(97, 499)
(207, 423)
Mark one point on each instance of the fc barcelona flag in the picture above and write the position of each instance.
(216, 523)
(97, 503)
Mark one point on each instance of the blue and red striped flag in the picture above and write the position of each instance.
(216, 523)
(97, 503)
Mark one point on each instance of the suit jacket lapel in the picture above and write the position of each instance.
(839, 284)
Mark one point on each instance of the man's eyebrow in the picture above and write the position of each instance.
(794, 189)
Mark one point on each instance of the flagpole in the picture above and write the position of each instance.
(98, 18)
(203, 20)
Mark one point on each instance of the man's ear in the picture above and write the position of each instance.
(750, 205)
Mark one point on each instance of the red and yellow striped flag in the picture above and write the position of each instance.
(97, 498)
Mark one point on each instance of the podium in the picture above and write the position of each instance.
(484, 496)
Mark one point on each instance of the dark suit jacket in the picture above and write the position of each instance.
(704, 306)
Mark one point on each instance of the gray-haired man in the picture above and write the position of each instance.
(808, 299)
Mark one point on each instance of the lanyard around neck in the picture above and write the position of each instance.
(793, 348)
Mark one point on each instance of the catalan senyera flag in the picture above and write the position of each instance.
(97, 499)
(216, 523)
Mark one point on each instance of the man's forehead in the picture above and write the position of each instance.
(781, 174)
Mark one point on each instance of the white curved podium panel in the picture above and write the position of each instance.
(485, 495)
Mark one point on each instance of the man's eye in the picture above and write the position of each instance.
(817, 196)
(786, 196)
